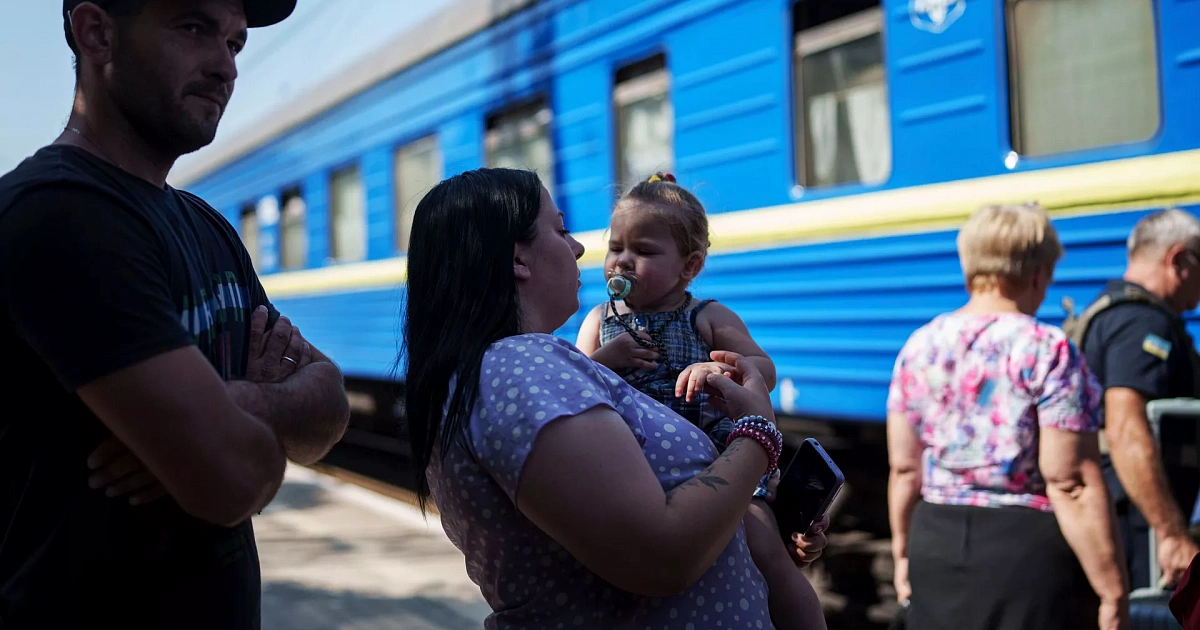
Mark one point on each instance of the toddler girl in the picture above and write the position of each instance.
(660, 339)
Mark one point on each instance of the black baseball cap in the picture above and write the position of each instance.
(259, 13)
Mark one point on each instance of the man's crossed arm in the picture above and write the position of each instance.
(294, 388)
(291, 386)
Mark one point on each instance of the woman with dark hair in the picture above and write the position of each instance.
(577, 500)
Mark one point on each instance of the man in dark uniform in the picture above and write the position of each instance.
(1137, 344)
(136, 335)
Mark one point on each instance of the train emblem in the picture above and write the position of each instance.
(935, 16)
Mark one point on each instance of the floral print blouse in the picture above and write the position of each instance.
(976, 389)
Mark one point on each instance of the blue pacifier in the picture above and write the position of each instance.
(619, 287)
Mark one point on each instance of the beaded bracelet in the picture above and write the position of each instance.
(762, 431)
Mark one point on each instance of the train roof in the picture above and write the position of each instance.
(460, 20)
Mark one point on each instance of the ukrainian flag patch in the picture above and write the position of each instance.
(1157, 346)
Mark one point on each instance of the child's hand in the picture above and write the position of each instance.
(746, 396)
(808, 547)
(692, 379)
(624, 352)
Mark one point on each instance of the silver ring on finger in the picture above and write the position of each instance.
(291, 360)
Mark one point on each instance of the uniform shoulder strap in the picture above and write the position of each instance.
(1077, 327)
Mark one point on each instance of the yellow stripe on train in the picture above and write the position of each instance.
(1113, 186)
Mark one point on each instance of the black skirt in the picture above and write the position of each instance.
(977, 568)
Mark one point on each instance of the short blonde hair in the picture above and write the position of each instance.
(1007, 242)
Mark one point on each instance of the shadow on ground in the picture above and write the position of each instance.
(292, 606)
(296, 495)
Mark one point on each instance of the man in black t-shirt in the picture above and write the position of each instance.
(140, 356)
(1136, 342)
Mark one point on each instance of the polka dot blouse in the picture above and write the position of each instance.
(526, 382)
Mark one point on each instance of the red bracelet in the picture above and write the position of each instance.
(764, 432)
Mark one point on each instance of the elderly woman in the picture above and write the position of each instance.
(1000, 517)
(577, 501)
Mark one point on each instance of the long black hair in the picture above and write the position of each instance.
(462, 296)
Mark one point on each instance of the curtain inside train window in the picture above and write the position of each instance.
(1084, 73)
(349, 216)
(418, 169)
(520, 138)
(843, 120)
(249, 232)
(293, 231)
(645, 121)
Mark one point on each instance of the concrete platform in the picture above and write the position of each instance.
(336, 556)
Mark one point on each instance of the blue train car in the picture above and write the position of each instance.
(836, 143)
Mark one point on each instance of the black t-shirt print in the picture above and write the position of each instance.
(100, 270)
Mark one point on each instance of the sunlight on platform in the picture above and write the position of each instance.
(337, 556)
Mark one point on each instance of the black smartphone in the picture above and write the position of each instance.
(807, 487)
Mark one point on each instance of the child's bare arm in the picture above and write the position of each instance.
(589, 332)
(722, 329)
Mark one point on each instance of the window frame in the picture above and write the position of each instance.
(1015, 120)
(647, 84)
(295, 191)
(250, 209)
(333, 175)
(834, 33)
(435, 140)
(533, 107)
(817, 39)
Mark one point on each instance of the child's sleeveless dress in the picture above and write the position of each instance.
(683, 346)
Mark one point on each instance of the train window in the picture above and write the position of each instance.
(349, 216)
(1084, 73)
(293, 231)
(645, 121)
(249, 221)
(842, 119)
(418, 169)
(520, 138)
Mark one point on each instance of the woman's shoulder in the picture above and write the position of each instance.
(540, 353)
(1019, 328)
(1035, 336)
(530, 343)
(527, 382)
(539, 370)
(928, 332)
(1050, 333)
(990, 332)
(1040, 354)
